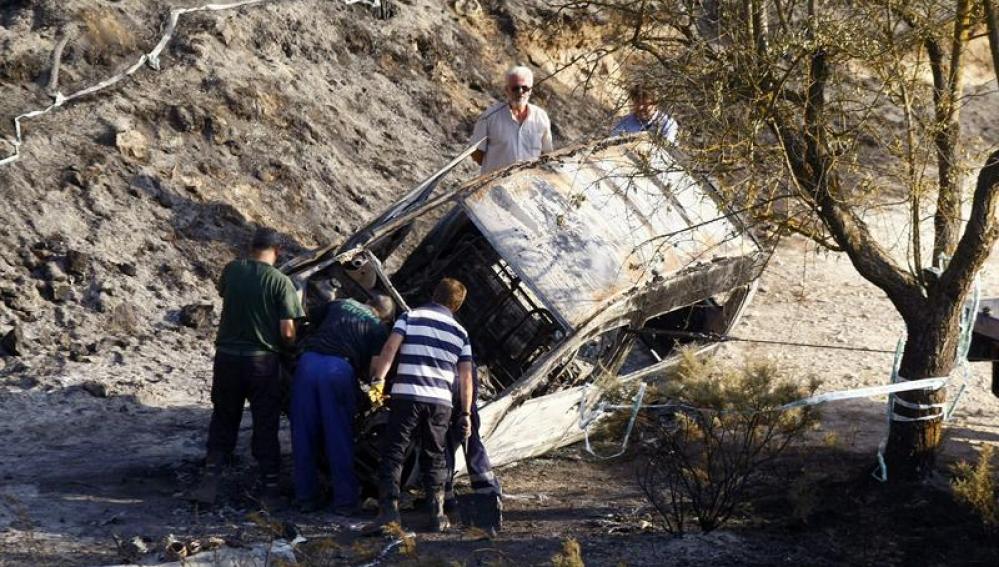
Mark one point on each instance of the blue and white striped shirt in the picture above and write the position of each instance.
(433, 344)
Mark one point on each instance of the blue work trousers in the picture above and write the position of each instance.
(323, 402)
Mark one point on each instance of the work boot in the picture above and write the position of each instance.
(270, 493)
(208, 487)
(388, 513)
(438, 519)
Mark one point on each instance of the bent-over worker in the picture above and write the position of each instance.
(324, 396)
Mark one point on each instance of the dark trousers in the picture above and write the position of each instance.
(323, 403)
(422, 423)
(235, 380)
(480, 470)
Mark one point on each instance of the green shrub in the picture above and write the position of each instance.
(975, 487)
(725, 427)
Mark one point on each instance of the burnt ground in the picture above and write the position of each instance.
(840, 516)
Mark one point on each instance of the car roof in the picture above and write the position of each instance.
(583, 227)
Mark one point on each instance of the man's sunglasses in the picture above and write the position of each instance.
(520, 89)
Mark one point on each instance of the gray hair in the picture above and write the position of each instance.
(522, 72)
(382, 305)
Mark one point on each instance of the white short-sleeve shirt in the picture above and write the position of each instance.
(510, 141)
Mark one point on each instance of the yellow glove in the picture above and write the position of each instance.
(376, 393)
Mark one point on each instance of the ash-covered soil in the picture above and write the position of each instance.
(310, 116)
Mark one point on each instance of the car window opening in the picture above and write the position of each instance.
(508, 325)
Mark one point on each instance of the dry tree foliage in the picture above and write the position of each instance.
(816, 117)
(974, 486)
(726, 427)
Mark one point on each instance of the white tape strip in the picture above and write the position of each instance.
(897, 417)
(924, 384)
(587, 418)
(152, 59)
(915, 406)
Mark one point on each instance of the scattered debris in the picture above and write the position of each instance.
(129, 269)
(53, 272)
(540, 498)
(177, 550)
(14, 343)
(468, 8)
(78, 263)
(60, 291)
(182, 119)
(96, 388)
(125, 318)
(131, 550)
(132, 144)
(197, 315)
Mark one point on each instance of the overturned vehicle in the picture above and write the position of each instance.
(580, 265)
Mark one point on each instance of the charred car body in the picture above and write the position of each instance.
(572, 263)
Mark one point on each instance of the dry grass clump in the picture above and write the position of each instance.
(105, 35)
(726, 426)
(974, 486)
(571, 555)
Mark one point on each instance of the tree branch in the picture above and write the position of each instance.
(993, 27)
(847, 228)
(946, 92)
(980, 235)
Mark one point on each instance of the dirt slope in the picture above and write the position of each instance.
(305, 115)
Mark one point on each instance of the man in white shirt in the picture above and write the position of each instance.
(515, 130)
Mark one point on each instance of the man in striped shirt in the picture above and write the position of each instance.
(434, 356)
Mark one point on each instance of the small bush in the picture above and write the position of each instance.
(975, 487)
(571, 555)
(105, 35)
(725, 428)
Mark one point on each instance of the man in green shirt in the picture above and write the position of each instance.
(259, 308)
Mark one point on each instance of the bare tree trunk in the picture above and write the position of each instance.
(934, 333)
(914, 433)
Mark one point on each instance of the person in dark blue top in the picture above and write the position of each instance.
(646, 117)
(324, 396)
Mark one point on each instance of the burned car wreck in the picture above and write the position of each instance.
(572, 263)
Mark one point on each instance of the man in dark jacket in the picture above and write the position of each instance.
(324, 396)
(259, 308)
